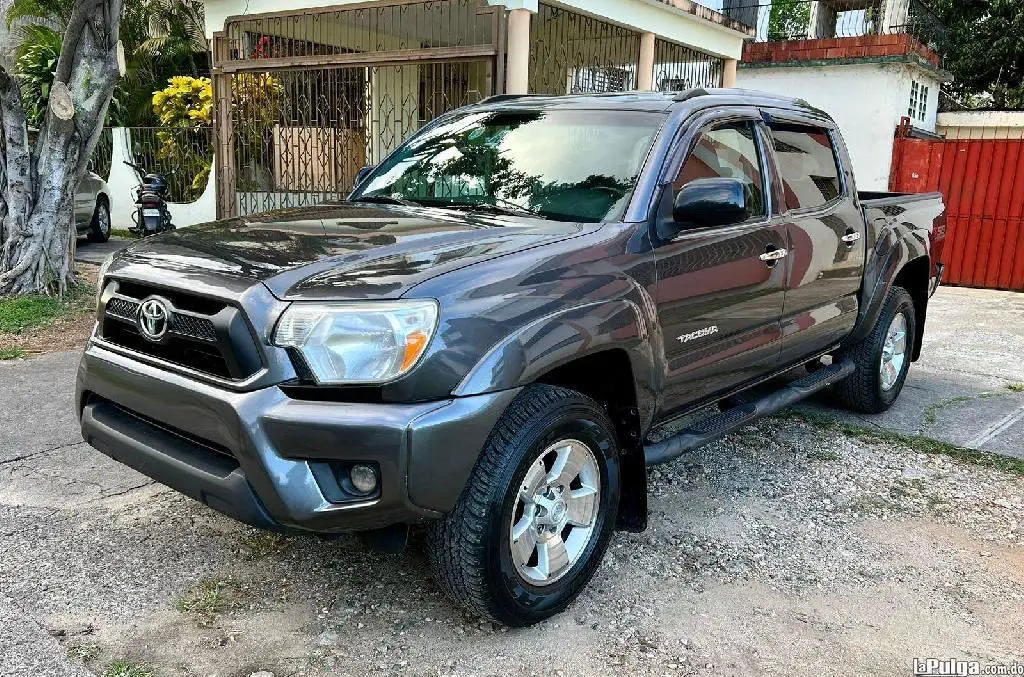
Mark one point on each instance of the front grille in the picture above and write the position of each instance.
(122, 309)
(196, 327)
(204, 335)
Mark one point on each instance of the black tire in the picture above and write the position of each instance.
(469, 550)
(99, 228)
(863, 391)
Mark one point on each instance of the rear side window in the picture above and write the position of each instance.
(808, 167)
(727, 152)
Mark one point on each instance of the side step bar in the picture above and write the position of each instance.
(719, 425)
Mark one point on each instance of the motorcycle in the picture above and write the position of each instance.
(151, 215)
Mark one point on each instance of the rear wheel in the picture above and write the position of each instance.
(99, 229)
(882, 358)
(535, 517)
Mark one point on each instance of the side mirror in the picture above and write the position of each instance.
(704, 203)
(363, 173)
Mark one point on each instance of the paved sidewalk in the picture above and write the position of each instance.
(96, 252)
(968, 388)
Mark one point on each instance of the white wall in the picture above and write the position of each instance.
(981, 124)
(867, 101)
(123, 181)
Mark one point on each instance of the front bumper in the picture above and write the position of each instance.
(260, 456)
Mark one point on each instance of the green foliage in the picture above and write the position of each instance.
(185, 107)
(788, 20)
(983, 47)
(161, 38)
(35, 67)
(18, 313)
(122, 668)
(11, 353)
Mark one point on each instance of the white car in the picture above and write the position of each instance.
(92, 208)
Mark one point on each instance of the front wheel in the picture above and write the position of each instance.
(537, 513)
(882, 358)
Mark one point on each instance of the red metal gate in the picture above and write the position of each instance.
(982, 179)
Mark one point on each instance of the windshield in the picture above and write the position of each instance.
(563, 165)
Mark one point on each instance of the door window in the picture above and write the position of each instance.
(807, 166)
(729, 151)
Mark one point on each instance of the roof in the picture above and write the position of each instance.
(647, 101)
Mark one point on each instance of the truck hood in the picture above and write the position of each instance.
(343, 251)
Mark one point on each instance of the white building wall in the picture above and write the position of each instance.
(123, 181)
(867, 101)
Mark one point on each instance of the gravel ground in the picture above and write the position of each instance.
(785, 549)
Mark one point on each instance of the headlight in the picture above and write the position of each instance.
(102, 274)
(371, 342)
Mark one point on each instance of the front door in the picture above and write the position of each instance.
(719, 301)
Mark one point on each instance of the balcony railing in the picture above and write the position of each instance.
(781, 20)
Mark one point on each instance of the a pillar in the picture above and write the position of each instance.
(645, 67)
(729, 73)
(517, 75)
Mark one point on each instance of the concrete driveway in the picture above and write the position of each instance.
(968, 388)
(94, 555)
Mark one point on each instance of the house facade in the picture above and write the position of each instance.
(306, 95)
(868, 63)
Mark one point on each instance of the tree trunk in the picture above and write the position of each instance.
(38, 184)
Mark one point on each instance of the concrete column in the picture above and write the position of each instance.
(517, 75)
(729, 73)
(645, 67)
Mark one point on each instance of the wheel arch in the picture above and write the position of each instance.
(904, 263)
(602, 350)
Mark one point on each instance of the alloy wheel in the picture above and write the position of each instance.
(555, 512)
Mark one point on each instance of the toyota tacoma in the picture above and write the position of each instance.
(506, 322)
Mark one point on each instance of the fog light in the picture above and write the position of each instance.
(363, 478)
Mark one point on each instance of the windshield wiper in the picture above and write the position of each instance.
(512, 209)
(387, 200)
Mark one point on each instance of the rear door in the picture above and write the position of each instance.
(815, 200)
(719, 303)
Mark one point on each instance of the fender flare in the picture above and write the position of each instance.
(566, 335)
(887, 267)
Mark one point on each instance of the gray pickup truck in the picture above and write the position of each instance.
(487, 335)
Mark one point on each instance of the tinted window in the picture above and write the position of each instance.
(578, 165)
(807, 164)
(727, 152)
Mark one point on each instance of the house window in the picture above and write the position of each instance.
(918, 102)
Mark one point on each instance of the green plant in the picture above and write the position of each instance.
(261, 544)
(788, 20)
(256, 100)
(931, 414)
(208, 598)
(35, 66)
(1016, 387)
(11, 353)
(185, 109)
(18, 313)
(122, 668)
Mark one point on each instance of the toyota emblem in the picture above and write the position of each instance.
(154, 318)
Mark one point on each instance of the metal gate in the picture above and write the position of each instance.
(305, 99)
(982, 180)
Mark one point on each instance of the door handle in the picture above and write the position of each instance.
(774, 255)
(851, 238)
